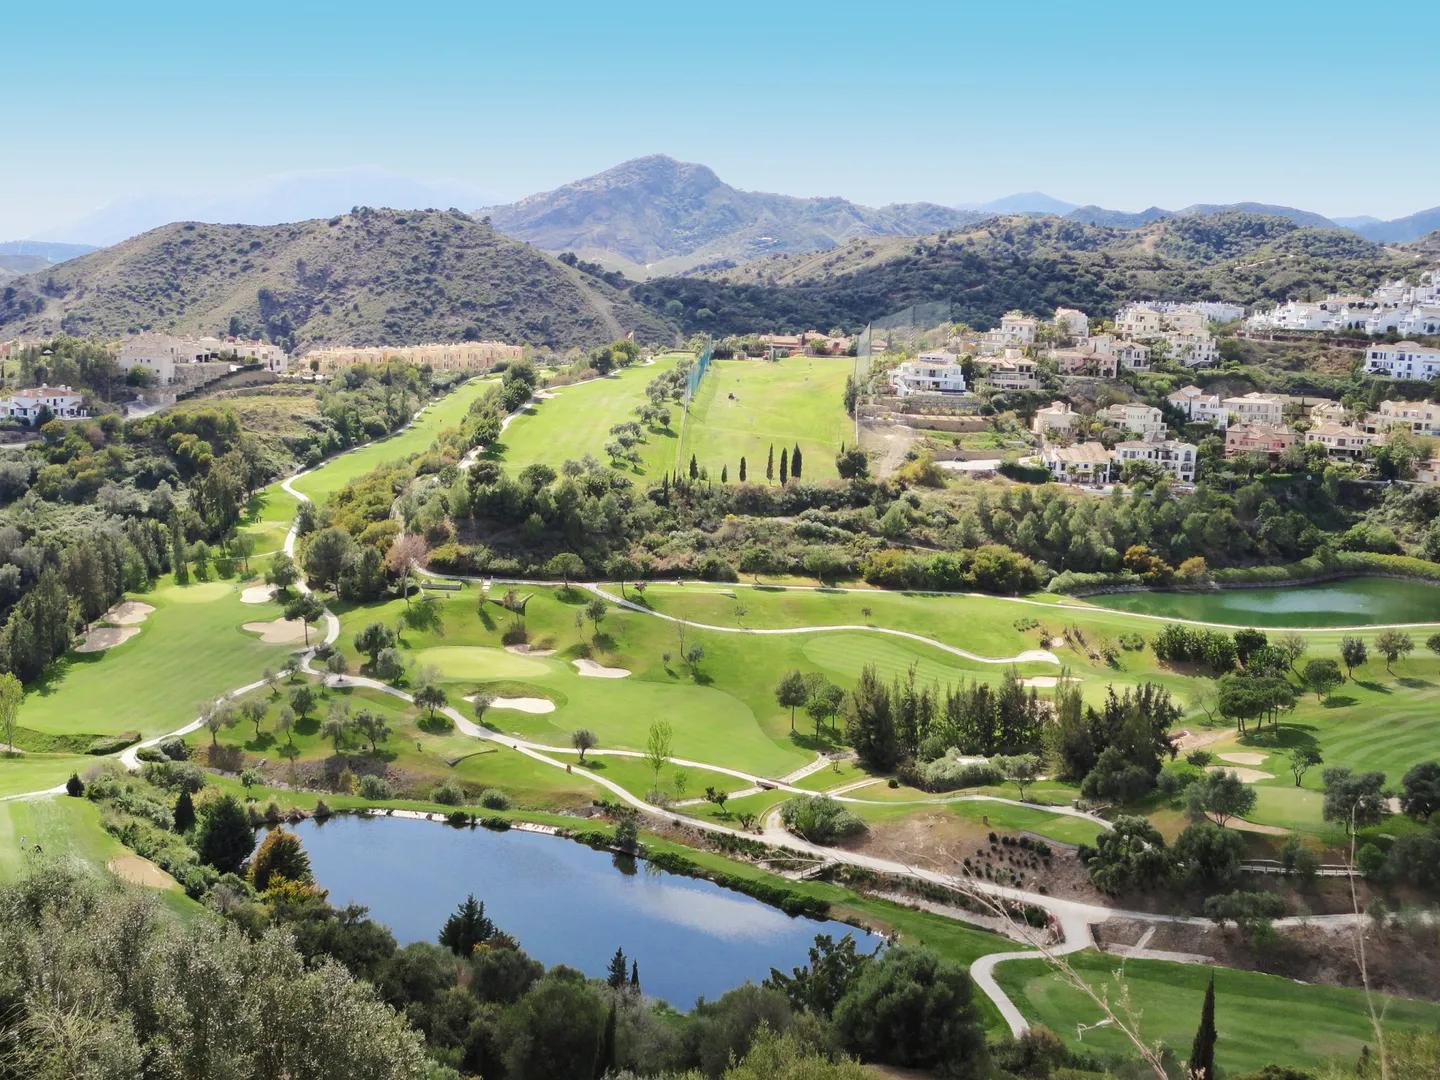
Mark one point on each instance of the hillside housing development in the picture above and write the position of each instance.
(165, 356)
(1398, 307)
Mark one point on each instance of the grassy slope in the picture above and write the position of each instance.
(743, 407)
(437, 416)
(1261, 1019)
(577, 421)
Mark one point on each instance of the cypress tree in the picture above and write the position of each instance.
(724, 474)
(184, 812)
(770, 463)
(795, 462)
(784, 464)
(694, 468)
(1202, 1052)
(615, 973)
(605, 1055)
(634, 976)
(742, 470)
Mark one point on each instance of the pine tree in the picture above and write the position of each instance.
(694, 468)
(466, 928)
(770, 463)
(634, 976)
(615, 973)
(742, 470)
(1202, 1053)
(184, 812)
(795, 462)
(724, 474)
(605, 1055)
(784, 465)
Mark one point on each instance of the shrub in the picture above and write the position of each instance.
(174, 775)
(1199, 758)
(448, 794)
(105, 745)
(150, 753)
(376, 787)
(952, 771)
(175, 749)
(819, 819)
(494, 799)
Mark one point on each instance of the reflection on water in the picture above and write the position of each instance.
(1353, 601)
(565, 902)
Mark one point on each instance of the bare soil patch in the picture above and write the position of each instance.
(599, 671)
(529, 650)
(1247, 776)
(139, 871)
(106, 637)
(127, 613)
(535, 705)
(278, 631)
(1243, 758)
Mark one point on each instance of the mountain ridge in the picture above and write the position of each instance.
(373, 277)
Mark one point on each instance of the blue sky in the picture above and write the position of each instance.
(1119, 104)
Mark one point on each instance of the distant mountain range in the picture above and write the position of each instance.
(655, 216)
(270, 200)
(27, 256)
(374, 277)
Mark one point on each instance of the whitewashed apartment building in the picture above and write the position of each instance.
(1403, 360)
(1200, 407)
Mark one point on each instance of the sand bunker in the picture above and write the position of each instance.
(138, 871)
(1240, 758)
(257, 594)
(278, 631)
(599, 671)
(106, 637)
(1247, 776)
(129, 613)
(528, 650)
(519, 704)
(1043, 682)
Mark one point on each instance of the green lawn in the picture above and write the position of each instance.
(578, 419)
(447, 412)
(744, 407)
(189, 650)
(267, 519)
(1261, 1019)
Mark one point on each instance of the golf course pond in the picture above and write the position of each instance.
(564, 902)
(1357, 601)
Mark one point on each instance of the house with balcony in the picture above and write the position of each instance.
(1268, 410)
(43, 403)
(1403, 360)
(1200, 407)
(1072, 323)
(1011, 371)
(1086, 463)
(1417, 417)
(1135, 417)
(1056, 420)
(1258, 439)
(1340, 440)
(930, 373)
(1174, 456)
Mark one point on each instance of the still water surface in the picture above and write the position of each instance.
(564, 902)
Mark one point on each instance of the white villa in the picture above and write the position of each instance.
(1200, 407)
(1417, 417)
(1175, 457)
(930, 373)
(161, 354)
(60, 402)
(1016, 331)
(1136, 417)
(1073, 323)
(1182, 327)
(1257, 408)
(1083, 463)
(1403, 360)
(1057, 418)
(1011, 371)
(1340, 440)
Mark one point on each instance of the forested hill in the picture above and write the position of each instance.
(1028, 263)
(370, 277)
